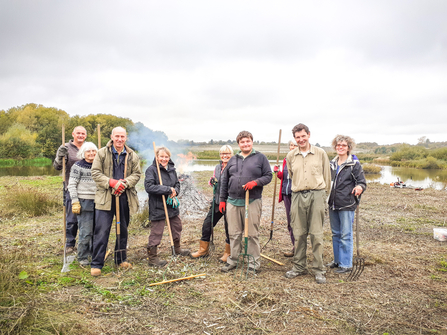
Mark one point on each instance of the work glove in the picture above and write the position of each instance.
(112, 182)
(250, 185)
(76, 207)
(173, 201)
(120, 187)
(276, 168)
(61, 153)
(213, 181)
(222, 206)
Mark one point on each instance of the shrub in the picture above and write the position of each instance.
(371, 169)
(29, 201)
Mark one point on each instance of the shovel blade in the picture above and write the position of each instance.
(67, 261)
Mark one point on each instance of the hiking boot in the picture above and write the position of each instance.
(125, 265)
(153, 259)
(289, 254)
(332, 265)
(295, 273)
(203, 250)
(95, 272)
(69, 250)
(320, 278)
(228, 267)
(341, 270)
(84, 262)
(180, 251)
(226, 254)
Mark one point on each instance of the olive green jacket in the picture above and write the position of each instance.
(102, 172)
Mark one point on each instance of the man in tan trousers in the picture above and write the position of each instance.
(309, 169)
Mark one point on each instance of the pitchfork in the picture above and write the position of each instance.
(359, 262)
(244, 259)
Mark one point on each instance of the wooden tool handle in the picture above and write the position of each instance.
(276, 179)
(247, 203)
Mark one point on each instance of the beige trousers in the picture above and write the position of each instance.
(307, 218)
(236, 225)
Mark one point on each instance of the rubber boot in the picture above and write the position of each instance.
(203, 250)
(180, 251)
(153, 258)
(226, 254)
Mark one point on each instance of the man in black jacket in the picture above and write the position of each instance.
(248, 170)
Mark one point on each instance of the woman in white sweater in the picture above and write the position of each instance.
(82, 190)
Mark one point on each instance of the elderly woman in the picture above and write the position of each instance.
(286, 193)
(82, 190)
(348, 183)
(225, 153)
(157, 215)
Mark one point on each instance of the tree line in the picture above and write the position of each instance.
(33, 130)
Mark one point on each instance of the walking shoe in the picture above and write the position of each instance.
(289, 254)
(332, 265)
(320, 278)
(294, 273)
(84, 262)
(125, 265)
(226, 254)
(95, 272)
(228, 267)
(341, 270)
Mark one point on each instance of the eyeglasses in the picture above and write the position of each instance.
(225, 153)
(341, 145)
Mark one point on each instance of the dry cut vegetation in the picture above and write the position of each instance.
(402, 290)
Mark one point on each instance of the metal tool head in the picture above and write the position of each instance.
(67, 261)
(243, 268)
(357, 268)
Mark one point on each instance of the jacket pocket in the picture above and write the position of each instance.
(315, 169)
(101, 196)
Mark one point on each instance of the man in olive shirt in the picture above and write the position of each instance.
(310, 172)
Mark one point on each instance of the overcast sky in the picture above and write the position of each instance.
(201, 70)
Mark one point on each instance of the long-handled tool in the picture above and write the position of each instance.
(359, 263)
(99, 136)
(243, 260)
(164, 203)
(118, 220)
(212, 247)
(67, 259)
(274, 193)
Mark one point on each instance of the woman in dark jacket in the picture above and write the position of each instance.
(348, 183)
(225, 153)
(286, 194)
(170, 189)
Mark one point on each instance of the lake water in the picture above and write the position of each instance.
(414, 177)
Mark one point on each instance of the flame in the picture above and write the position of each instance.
(184, 161)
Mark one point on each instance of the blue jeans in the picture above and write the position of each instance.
(342, 237)
(85, 223)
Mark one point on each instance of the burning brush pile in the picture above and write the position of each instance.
(192, 202)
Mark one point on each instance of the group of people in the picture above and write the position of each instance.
(102, 181)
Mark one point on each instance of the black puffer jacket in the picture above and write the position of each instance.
(350, 174)
(240, 171)
(155, 190)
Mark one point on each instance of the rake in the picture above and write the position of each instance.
(243, 260)
(67, 259)
(359, 263)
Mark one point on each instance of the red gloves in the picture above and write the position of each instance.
(112, 182)
(250, 185)
(118, 186)
(222, 206)
(276, 168)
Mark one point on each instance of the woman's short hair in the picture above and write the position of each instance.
(226, 147)
(292, 141)
(349, 141)
(157, 151)
(86, 147)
